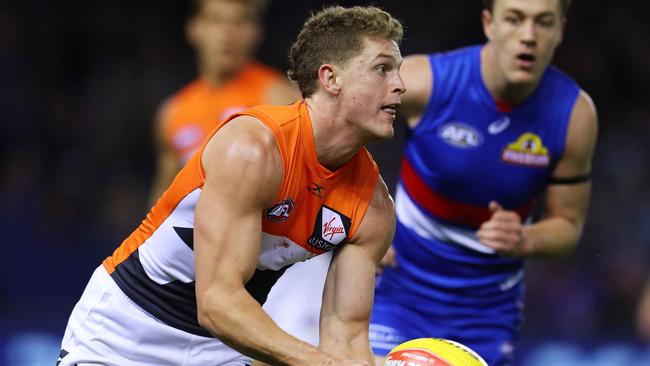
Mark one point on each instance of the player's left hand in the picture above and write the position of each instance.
(503, 232)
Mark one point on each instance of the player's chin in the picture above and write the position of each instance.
(385, 132)
(521, 77)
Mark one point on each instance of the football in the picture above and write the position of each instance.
(433, 352)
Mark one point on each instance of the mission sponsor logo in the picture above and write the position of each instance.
(280, 211)
(528, 150)
(330, 230)
(460, 134)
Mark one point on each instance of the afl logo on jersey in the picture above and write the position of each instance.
(460, 135)
(280, 211)
(331, 229)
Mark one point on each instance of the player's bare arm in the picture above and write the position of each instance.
(349, 288)
(418, 79)
(243, 172)
(567, 197)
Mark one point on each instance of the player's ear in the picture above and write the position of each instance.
(328, 79)
(487, 20)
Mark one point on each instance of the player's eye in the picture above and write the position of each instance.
(511, 20)
(546, 23)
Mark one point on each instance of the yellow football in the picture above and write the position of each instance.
(433, 352)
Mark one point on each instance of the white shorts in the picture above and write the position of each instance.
(108, 328)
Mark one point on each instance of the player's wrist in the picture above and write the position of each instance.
(312, 357)
(526, 244)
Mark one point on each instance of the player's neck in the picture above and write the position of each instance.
(335, 144)
(499, 87)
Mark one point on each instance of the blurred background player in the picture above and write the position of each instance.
(225, 35)
(492, 126)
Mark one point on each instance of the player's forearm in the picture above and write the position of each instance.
(553, 236)
(239, 321)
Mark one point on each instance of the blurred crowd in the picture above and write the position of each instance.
(80, 82)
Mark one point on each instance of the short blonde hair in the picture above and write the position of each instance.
(335, 35)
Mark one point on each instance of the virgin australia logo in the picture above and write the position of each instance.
(499, 125)
(330, 229)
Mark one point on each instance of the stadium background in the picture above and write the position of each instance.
(79, 84)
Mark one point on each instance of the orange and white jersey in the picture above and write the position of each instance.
(192, 113)
(315, 211)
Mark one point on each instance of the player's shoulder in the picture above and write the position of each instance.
(457, 54)
(187, 94)
(379, 221)
(248, 138)
(561, 79)
(189, 90)
(584, 107)
(424, 61)
(584, 111)
(278, 114)
(455, 66)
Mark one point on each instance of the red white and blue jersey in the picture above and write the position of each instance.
(466, 151)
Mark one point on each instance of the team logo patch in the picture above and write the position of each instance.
(330, 230)
(280, 211)
(460, 135)
(528, 150)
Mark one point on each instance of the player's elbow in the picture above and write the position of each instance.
(211, 313)
(573, 233)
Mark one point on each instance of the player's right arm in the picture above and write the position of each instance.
(243, 169)
(167, 162)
